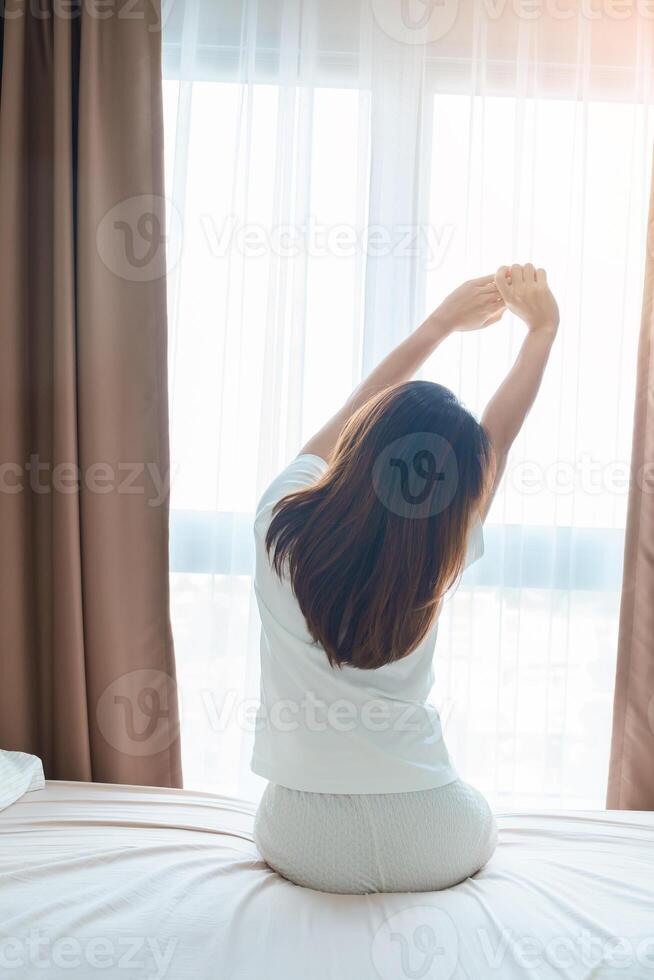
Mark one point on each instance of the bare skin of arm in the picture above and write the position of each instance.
(474, 305)
(526, 293)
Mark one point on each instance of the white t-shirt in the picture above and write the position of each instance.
(327, 729)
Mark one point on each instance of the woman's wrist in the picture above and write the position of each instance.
(437, 326)
(543, 328)
(539, 341)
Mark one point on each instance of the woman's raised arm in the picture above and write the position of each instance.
(474, 305)
(526, 293)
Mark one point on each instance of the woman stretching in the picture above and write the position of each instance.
(357, 543)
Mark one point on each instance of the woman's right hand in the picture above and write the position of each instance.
(525, 291)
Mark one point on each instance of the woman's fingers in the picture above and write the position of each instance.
(502, 283)
(500, 288)
(513, 273)
(489, 299)
(488, 290)
(517, 275)
(493, 310)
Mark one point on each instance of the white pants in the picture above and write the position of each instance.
(386, 842)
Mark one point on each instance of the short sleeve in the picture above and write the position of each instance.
(475, 549)
(301, 473)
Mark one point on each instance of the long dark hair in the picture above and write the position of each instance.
(373, 546)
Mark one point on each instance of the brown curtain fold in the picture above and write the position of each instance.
(631, 773)
(86, 653)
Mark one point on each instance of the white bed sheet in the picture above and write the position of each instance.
(102, 881)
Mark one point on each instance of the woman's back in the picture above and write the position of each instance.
(331, 728)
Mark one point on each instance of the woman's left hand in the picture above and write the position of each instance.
(473, 305)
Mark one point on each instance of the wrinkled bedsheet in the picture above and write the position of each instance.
(131, 882)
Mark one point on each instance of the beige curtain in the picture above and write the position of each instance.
(87, 667)
(631, 774)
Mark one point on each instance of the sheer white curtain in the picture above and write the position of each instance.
(336, 168)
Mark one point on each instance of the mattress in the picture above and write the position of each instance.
(131, 882)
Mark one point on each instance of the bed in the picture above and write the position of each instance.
(131, 882)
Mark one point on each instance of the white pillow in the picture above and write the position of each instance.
(19, 773)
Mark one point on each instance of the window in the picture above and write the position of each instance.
(318, 224)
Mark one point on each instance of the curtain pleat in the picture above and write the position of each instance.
(85, 639)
